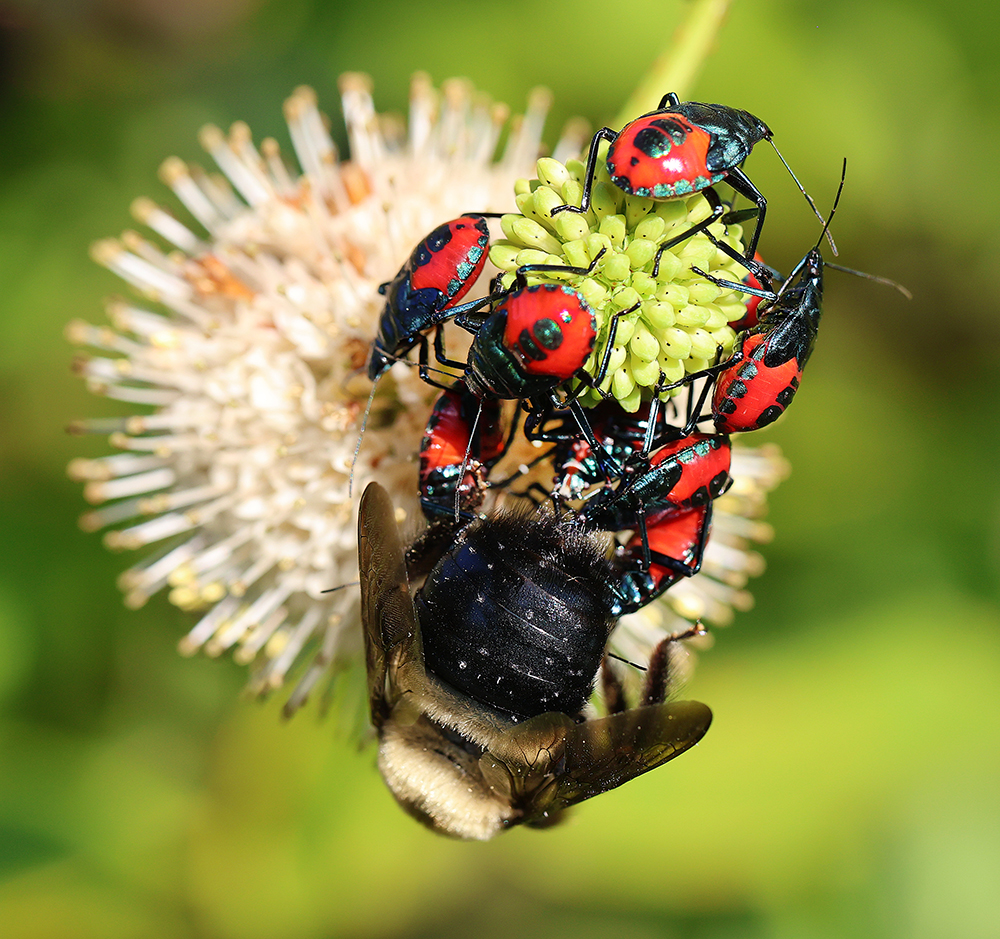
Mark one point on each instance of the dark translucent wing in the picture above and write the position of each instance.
(602, 754)
(386, 608)
(522, 766)
(549, 762)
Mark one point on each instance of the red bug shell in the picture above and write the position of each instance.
(551, 330)
(447, 436)
(750, 395)
(704, 460)
(661, 156)
(676, 535)
(451, 258)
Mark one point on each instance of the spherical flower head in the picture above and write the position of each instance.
(681, 323)
(245, 358)
(249, 349)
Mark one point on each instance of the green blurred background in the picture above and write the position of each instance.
(849, 784)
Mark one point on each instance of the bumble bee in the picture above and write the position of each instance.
(478, 683)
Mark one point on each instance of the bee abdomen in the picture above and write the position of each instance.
(517, 613)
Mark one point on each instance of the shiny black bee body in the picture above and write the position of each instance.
(478, 683)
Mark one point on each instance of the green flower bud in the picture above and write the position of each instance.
(623, 332)
(644, 284)
(570, 226)
(626, 298)
(617, 267)
(640, 252)
(716, 318)
(529, 233)
(681, 318)
(534, 256)
(551, 173)
(622, 383)
(613, 226)
(546, 200)
(702, 344)
(577, 170)
(632, 400)
(651, 228)
(504, 255)
(576, 251)
(594, 293)
(644, 345)
(692, 315)
(645, 373)
(704, 292)
(605, 199)
(636, 209)
(676, 343)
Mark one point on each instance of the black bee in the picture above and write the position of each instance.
(478, 683)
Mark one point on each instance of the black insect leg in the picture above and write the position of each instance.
(439, 353)
(520, 274)
(424, 367)
(768, 295)
(595, 381)
(605, 133)
(718, 210)
(694, 415)
(741, 183)
(608, 467)
(765, 274)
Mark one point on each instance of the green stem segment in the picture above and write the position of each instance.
(678, 67)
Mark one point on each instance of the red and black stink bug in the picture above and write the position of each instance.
(534, 338)
(684, 474)
(439, 272)
(679, 150)
(756, 384)
(761, 378)
(464, 438)
(674, 548)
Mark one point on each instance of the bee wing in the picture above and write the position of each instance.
(550, 762)
(387, 615)
(602, 754)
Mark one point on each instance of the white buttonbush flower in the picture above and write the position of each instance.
(245, 355)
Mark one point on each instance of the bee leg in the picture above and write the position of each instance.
(658, 677)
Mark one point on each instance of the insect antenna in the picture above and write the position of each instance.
(353, 583)
(850, 270)
(361, 436)
(878, 280)
(371, 398)
(611, 655)
(809, 199)
(465, 462)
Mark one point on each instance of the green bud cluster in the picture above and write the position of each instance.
(683, 318)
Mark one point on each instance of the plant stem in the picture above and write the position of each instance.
(677, 68)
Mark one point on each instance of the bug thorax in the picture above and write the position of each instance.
(734, 131)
